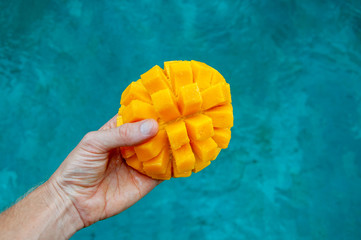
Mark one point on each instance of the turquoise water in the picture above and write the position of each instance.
(293, 168)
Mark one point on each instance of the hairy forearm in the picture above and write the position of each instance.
(43, 214)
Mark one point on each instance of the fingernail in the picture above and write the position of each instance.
(146, 127)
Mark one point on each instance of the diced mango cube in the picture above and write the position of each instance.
(127, 152)
(164, 103)
(154, 80)
(138, 110)
(222, 136)
(190, 99)
(214, 96)
(199, 127)
(180, 74)
(200, 165)
(178, 174)
(119, 121)
(184, 159)
(177, 134)
(135, 163)
(217, 77)
(205, 149)
(227, 92)
(167, 67)
(202, 74)
(166, 176)
(152, 147)
(217, 153)
(158, 164)
(121, 109)
(135, 90)
(222, 116)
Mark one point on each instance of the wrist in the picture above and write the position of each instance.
(46, 213)
(66, 217)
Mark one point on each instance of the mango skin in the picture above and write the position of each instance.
(193, 106)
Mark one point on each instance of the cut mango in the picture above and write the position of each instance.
(222, 116)
(138, 110)
(154, 80)
(200, 165)
(152, 147)
(120, 111)
(127, 152)
(178, 174)
(215, 95)
(177, 134)
(222, 136)
(190, 99)
(135, 163)
(199, 127)
(184, 159)
(119, 121)
(205, 149)
(167, 67)
(217, 77)
(135, 91)
(202, 74)
(165, 105)
(166, 176)
(180, 74)
(217, 153)
(191, 102)
(159, 164)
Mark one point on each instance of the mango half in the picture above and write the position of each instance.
(192, 103)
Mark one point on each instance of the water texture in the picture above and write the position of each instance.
(293, 168)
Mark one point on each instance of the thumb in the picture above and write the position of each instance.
(128, 134)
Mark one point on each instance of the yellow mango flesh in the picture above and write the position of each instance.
(189, 99)
(166, 176)
(127, 152)
(199, 127)
(138, 110)
(180, 74)
(154, 80)
(119, 120)
(165, 105)
(215, 95)
(222, 116)
(192, 103)
(200, 165)
(152, 147)
(135, 163)
(158, 164)
(184, 159)
(222, 136)
(135, 91)
(202, 74)
(205, 150)
(177, 134)
(177, 173)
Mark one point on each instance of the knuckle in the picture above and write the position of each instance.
(88, 139)
(125, 133)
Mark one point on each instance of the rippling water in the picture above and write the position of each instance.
(293, 168)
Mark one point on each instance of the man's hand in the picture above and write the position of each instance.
(95, 177)
(93, 183)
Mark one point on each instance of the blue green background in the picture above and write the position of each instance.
(293, 167)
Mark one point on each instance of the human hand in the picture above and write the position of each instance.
(95, 177)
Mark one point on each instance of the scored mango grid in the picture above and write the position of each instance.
(163, 124)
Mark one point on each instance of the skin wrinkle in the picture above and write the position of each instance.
(71, 200)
